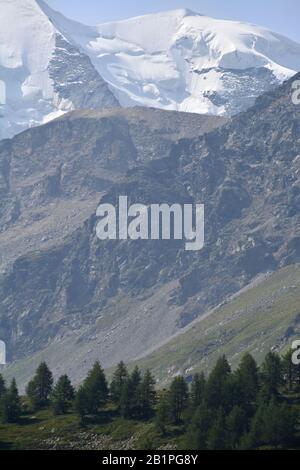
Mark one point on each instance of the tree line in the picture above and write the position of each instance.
(241, 409)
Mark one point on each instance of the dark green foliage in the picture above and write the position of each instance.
(197, 391)
(119, 379)
(130, 403)
(133, 394)
(216, 436)
(245, 409)
(125, 400)
(248, 379)
(178, 399)
(137, 395)
(162, 417)
(62, 396)
(217, 393)
(134, 384)
(40, 387)
(81, 403)
(272, 424)
(10, 405)
(147, 395)
(93, 393)
(2, 386)
(280, 425)
(201, 423)
(271, 371)
(238, 410)
(236, 427)
(96, 389)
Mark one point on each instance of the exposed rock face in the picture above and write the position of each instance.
(240, 88)
(75, 79)
(79, 299)
(52, 177)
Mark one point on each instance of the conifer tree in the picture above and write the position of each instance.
(2, 386)
(236, 427)
(62, 396)
(147, 395)
(11, 404)
(178, 398)
(197, 390)
(254, 437)
(119, 379)
(289, 370)
(96, 388)
(201, 422)
(248, 379)
(40, 387)
(125, 400)
(130, 403)
(216, 438)
(216, 392)
(162, 416)
(134, 384)
(81, 403)
(280, 425)
(272, 424)
(271, 370)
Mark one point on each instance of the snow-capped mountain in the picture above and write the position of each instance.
(176, 60)
(184, 61)
(44, 73)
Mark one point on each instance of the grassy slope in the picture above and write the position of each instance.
(263, 317)
(108, 431)
(44, 431)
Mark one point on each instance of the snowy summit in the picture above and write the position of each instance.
(174, 60)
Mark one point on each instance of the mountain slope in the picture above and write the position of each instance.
(77, 299)
(263, 317)
(45, 74)
(48, 193)
(47, 188)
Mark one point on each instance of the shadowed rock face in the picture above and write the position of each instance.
(78, 298)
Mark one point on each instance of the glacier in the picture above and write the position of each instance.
(183, 61)
(43, 73)
(173, 60)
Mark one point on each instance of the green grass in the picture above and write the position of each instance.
(255, 321)
(264, 317)
(43, 431)
(33, 429)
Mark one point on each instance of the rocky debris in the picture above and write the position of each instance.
(85, 441)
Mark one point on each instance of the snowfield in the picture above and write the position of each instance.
(45, 75)
(175, 60)
(172, 60)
